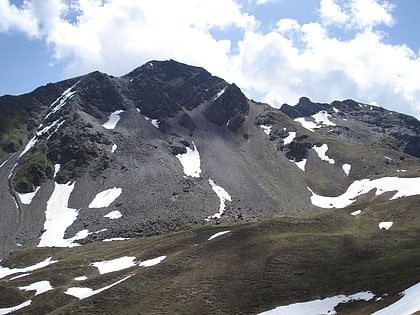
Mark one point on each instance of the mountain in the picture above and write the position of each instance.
(311, 201)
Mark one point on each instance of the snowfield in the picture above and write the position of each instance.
(289, 139)
(83, 293)
(39, 287)
(14, 308)
(113, 215)
(113, 120)
(346, 168)
(59, 217)
(316, 307)
(114, 264)
(321, 151)
(266, 128)
(190, 162)
(26, 198)
(321, 120)
(4, 271)
(407, 305)
(402, 187)
(385, 225)
(223, 196)
(217, 235)
(301, 165)
(105, 198)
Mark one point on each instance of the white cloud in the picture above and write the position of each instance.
(331, 12)
(280, 65)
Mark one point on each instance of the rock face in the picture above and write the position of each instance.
(144, 131)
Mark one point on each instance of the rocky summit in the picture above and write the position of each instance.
(158, 162)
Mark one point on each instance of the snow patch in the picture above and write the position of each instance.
(26, 198)
(301, 164)
(315, 307)
(321, 151)
(116, 239)
(335, 110)
(4, 162)
(289, 139)
(113, 120)
(155, 123)
(116, 264)
(39, 287)
(113, 148)
(190, 162)
(105, 198)
(266, 128)
(4, 271)
(346, 168)
(14, 308)
(217, 235)
(385, 225)
(223, 196)
(152, 262)
(321, 120)
(138, 109)
(408, 304)
(20, 276)
(58, 218)
(355, 213)
(113, 215)
(83, 293)
(56, 169)
(29, 146)
(220, 93)
(403, 187)
(81, 278)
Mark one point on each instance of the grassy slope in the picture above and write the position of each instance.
(253, 268)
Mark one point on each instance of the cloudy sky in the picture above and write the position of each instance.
(275, 50)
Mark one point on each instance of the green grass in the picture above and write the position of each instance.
(255, 267)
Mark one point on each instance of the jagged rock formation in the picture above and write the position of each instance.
(130, 132)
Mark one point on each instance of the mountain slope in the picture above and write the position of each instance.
(170, 148)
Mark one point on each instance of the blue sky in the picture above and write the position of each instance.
(275, 50)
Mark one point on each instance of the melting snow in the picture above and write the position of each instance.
(83, 293)
(217, 235)
(116, 264)
(385, 225)
(301, 165)
(113, 120)
(105, 198)
(357, 212)
(266, 128)
(20, 276)
(403, 187)
(152, 262)
(29, 146)
(324, 306)
(56, 169)
(220, 93)
(289, 138)
(346, 168)
(4, 271)
(190, 162)
(321, 119)
(113, 215)
(321, 151)
(81, 278)
(61, 101)
(155, 123)
(113, 148)
(27, 197)
(40, 287)
(408, 304)
(223, 196)
(14, 308)
(116, 239)
(58, 218)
